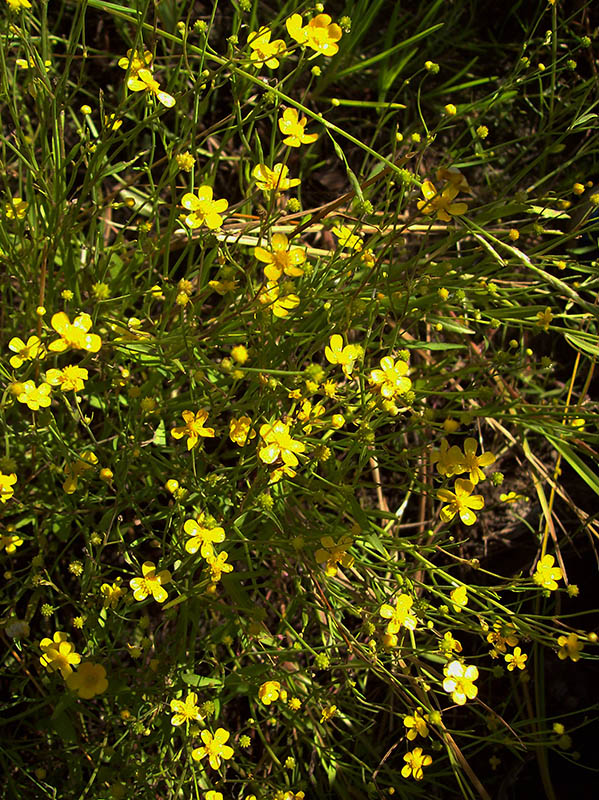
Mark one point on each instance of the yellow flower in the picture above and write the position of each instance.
(347, 238)
(333, 553)
(293, 128)
(441, 203)
(151, 583)
(25, 352)
(204, 210)
(281, 258)
(319, 34)
(516, 659)
(185, 161)
(269, 692)
(202, 538)
(414, 763)
(461, 502)
(263, 50)
(546, 574)
(185, 711)
(215, 748)
(193, 428)
(59, 654)
(16, 208)
(73, 471)
(10, 542)
(459, 597)
(241, 431)
(111, 593)
(416, 725)
(544, 319)
(88, 681)
(35, 397)
(471, 463)
(459, 682)
(277, 443)
(144, 81)
(448, 459)
(136, 60)
(278, 302)
(69, 378)
(6, 486)
(218, 565)
(400, 615)
(336, 353)
(390, 379)
(328, 712)
(75, 336)
(275, 179)
(569, 646)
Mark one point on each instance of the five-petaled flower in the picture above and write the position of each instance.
(203, 209)
(516, 659)
(441, 203)
(320, 34)
(347, 237)
(75, 335)
(25, 352)
(59, 654)
(241, 431)
(88, 681)
(218, 564)
(414, 763)
(270, 692)
(333, 553)
(74, 470)
(275, 179)
(399, 615)
(277, 299)
(294, 129)
(281, 258)
(471, 463)
(9, 542)
(390, 379)
(336, 353)
(7, 483)
(70, 378)
(193, 428)
(215, 748)
(136, 60)
(202, 538)
(263, 50)
(16, 208)
(144, 81)
(152, 583)
(569, 647)
(546, 574)
(35, 397)
(185, 710)
(416, 725)
(461, 502)
(459, 682)
(278, 443)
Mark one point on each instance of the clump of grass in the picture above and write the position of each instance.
(299, 332)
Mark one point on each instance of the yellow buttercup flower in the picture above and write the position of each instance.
(193, 428)
(59, 654)
(215, 748)
(416, 725)
(88, 681)
(414, 763)
(70, 378)
(270, 692)
(336, 353)
(16, 208)
(546, 575)
(320, 34)
(459, 682)
(35, 397)
(441, 203)
(517, 659)
(280, 303)
(293, 128)
(202, 538)
(185, 710)
(569, 646)
(144, 81)
(218, 564)
(281, 258)
(10, 542)
(263, 50)
(275, 179)
(333, 553)
(136, 60)
(390, 379)
(7, 483)
(277, 443)
(152, 583)
(25, 352)
(461, 502)
(241, 431)
(203, 209)
(75, 335)
(399, 614)
(347, 238)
